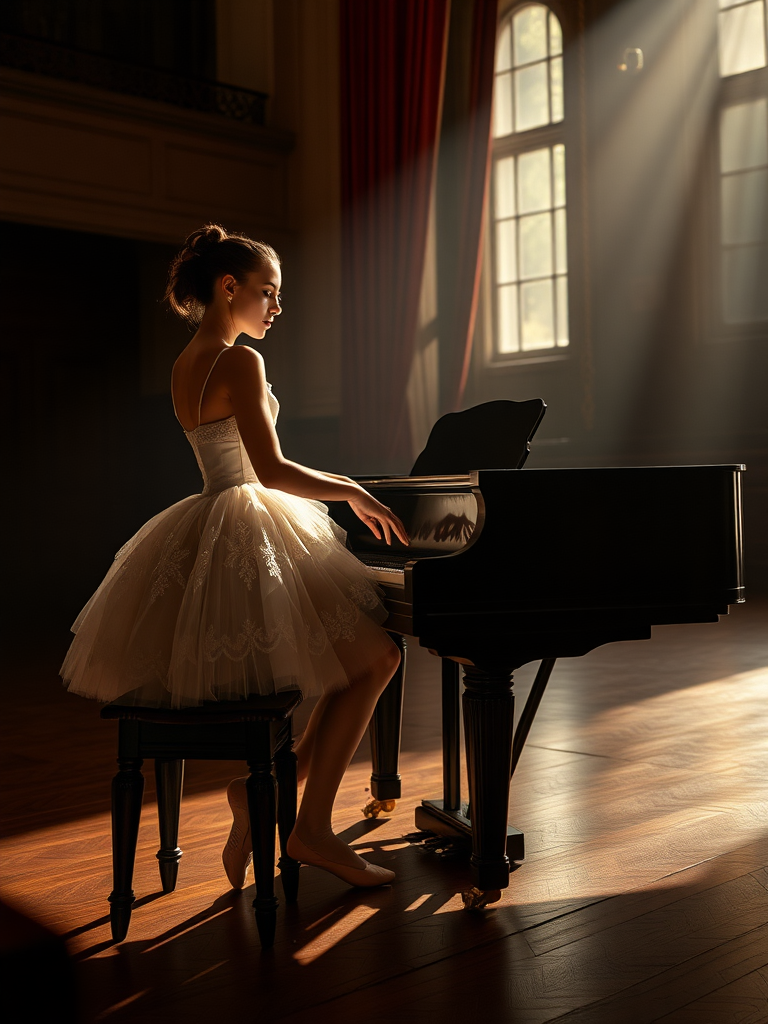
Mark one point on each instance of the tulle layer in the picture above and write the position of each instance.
(246, 591)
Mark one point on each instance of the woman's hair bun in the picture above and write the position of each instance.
(208, 254)
(205, 238)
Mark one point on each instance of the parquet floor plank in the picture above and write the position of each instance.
(603, 914)
(744, 1001)
(644, 895)
(628, 961)
(697, 982)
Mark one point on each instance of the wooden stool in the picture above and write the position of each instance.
(258, 731)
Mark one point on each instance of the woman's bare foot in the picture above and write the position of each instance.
(332, 854)
(237, 853)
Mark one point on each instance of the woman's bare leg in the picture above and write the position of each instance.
(237, 853)
(340, 719)
(335, 728)
(303, 748)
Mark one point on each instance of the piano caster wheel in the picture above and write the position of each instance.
(375, 807)
(476, 899)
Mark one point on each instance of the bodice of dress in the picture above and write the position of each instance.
(221, 454)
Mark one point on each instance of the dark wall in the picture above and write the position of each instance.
(175, 35)
(90, 458)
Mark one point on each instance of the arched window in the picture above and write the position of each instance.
(743, 163)
(741, 36)
(528, 244)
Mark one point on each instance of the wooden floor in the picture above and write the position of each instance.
(643, 794)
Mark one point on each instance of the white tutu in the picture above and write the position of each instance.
(239, 590)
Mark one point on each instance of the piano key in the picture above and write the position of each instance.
(387, 574)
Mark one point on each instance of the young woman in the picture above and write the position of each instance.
(247, 587)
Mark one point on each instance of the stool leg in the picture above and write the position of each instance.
(169, 776)
(260, 788)
(285, 769)
(127, 794)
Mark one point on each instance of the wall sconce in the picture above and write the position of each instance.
(631, 60)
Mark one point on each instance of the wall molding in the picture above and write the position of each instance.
(82, 158)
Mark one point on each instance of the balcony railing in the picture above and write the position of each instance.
(43, 58)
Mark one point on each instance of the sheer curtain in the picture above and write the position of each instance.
(392, 66)
(393, 72)
(462, 183)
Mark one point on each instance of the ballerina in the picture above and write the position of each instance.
(247, 587)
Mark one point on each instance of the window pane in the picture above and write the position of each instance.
(561, 286)
(502, 105)
(531, 97)
(504, 49)
(742, 38)
(530, 257)
(558, 169)
(744, 136)
(508, 340)
(538, 329)
(556, 86)
(504, 182)
(533, 181)
(530, 29)
(536, 245)
(555, 36)
(506, 251)
(561, 249)
(745, 296)
(744, 207)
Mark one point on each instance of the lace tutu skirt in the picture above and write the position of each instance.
(249, 590)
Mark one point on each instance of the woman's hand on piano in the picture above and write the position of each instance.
(380, 520)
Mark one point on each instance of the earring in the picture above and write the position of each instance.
(229, 299)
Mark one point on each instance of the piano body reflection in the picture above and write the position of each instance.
(511, 566)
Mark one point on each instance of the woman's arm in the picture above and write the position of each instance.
(245, 380)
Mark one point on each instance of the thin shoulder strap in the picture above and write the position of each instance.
(205, 384)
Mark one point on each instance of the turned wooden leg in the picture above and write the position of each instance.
(169, 776)
(285, 769)
(489, 707)
(384, 731)
(451, 737)
(127, 794)
(260, 788)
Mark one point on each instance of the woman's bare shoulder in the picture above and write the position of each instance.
(188, 358)
(244, 359)
(181, 360)
(245, 352)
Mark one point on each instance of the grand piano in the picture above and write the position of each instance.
(511, 566)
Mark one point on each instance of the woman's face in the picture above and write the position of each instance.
(256, 302)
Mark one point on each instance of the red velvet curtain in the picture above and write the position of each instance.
(392, 64)
(463, 185)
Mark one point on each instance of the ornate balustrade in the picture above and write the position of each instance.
(24, 53)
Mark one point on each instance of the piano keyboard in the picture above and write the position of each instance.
(389, 570)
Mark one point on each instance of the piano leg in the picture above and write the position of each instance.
(489, 707)
(449, 817)
(451, 738)
(384, 732)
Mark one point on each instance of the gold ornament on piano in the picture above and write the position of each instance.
(476, 899)
(375, 807)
